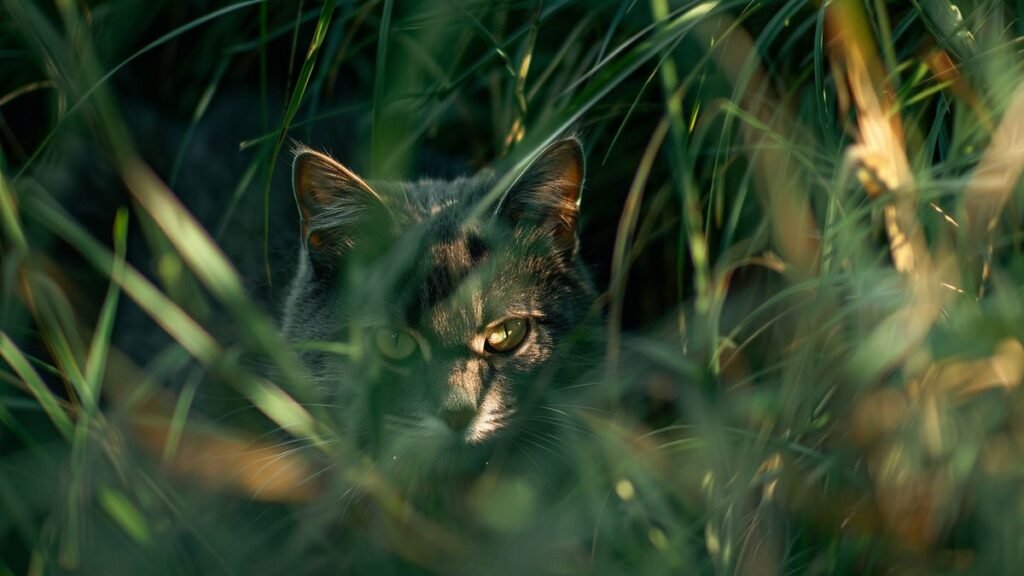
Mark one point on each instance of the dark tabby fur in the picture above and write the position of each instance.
(408, 260)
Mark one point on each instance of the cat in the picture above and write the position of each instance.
(460, 328)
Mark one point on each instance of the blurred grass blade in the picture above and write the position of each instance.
(259, 470)
(9, 217)
(692, 233)
(58, 327)
(992, 184)
(182, 327)
(880, 147)
(97, 359)
(267, 397)
(16, 248)
(125, 515)
(51, 405)
(379, 84)
(794, 227)
(179, 418)
(211, 266)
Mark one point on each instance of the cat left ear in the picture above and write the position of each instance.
(336, 205)
(547, 194)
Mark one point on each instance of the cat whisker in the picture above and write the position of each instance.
(556, 416)
(581, 408)
(569, 425)
(544, 442)
(270, 461)
(352, 494)
(223, 417)
(522, 450)
(323, 470)
(292, 440)
(553, 414)
(580, 385)
(562, 412)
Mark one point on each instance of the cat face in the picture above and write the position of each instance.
(459, 317)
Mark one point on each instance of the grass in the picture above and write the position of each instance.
(804, 219)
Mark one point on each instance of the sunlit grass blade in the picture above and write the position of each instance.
(612, 73)
(266, 396)
(182, 327)
(992, 184)
(210, 264)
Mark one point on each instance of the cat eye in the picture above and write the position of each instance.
(394, 344)
(504, 337)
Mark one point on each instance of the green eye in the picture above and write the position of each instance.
(506, 336)
(394, 344)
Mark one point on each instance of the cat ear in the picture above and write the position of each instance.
(336, 205)
(547, 194)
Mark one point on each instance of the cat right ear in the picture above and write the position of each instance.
(547, 194)
(337, 207)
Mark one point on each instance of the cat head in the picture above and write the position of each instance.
(458, 312)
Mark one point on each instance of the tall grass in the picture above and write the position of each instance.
(805, 219)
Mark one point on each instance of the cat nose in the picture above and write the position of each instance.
(458, 419)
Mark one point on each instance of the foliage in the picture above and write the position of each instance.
(805, 219)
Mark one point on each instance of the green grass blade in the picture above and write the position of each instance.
(97, 359)
(180, 416)
(201, 106)
(322, 25)
(51, 405)
(9, 217)
(379, 84)
(175, 321)
(125, 514)
(270, 399)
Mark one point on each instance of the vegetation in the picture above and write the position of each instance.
(804, 218)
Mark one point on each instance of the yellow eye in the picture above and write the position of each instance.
(506, 336)
(393, 343)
